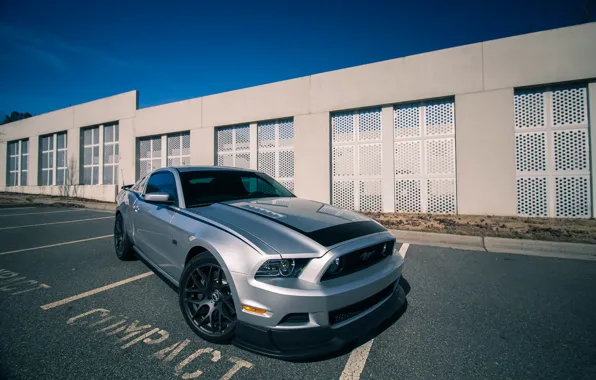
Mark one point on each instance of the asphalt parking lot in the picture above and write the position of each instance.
(70, 309)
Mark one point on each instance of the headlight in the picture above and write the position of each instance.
(336, 265)
(282, 268)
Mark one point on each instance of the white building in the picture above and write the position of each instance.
(500, 127)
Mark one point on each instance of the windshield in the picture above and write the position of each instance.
(203, 187)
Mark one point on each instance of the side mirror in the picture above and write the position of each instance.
(157, 198)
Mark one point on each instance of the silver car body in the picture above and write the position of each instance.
(242, 235)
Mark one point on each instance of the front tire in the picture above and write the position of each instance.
(122, 244)
(206, 300)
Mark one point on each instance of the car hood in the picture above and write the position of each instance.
(291, 226)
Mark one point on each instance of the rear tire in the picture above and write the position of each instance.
(206, 300)
(122, 244)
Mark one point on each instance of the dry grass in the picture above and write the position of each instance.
(562, 230)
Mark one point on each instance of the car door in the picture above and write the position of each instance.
(152, 220)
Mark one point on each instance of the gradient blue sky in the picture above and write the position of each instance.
(58, 53)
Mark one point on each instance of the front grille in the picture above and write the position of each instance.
(361, 259)
(345, 313)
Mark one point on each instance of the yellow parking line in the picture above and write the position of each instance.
(13, 208)
(403, 249)
(48, 212)
(357, 360)
(94, 291)
(48, 224)
(55, 245)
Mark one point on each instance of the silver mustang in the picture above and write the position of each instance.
(253, 264)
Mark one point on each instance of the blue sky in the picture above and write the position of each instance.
(59, 53)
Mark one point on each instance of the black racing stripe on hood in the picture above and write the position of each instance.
(329, 236)
(342, 232)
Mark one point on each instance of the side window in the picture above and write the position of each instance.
(163, 182)
(258, 185)
(140, 185)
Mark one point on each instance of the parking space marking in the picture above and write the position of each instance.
(94, 291)
(48, 224)
(15, 208)
(403, 249)
(10, 279)
(136, 332)
(55, 245)
(48, 212)
(357, 360)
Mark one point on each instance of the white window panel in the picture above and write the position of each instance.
(46, 147)
(276, 150)
(552, 152)
(14, 166)
(356, 160)
(424, 154)
(91, 145)
(233, 146)
(61, 164)
(111, 154)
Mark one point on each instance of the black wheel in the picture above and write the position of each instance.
(122, 244)
(206, 300)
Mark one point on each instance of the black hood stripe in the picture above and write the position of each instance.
(328, 236)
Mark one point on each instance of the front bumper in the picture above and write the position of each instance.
(312, 342)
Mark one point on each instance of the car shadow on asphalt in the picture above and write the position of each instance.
(371, 335)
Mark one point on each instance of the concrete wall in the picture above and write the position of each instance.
(271, 101)
(312, 166)
(106, 193)
(481, 77)
(485, 146)
(558, 55)
(168, 118)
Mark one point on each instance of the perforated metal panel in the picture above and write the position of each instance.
(276, 150)
(532, 198)
(178, 149)
(408, 195)
(357, 160)
(529, 109)
(233, 146)
(552, 153)
(424, 153)
(570, 106)
(150, 154)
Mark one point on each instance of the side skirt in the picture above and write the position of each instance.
(156, 268)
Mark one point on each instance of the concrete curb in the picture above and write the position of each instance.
(440, 240)
(89, 205)
(576, 251)
(541, 248)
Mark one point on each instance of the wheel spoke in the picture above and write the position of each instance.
(220, 321)
(197, 302)
(209, 300)
(195, 281)
(209, 275)
(226, 316)
(229, 303)
(195, 291)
